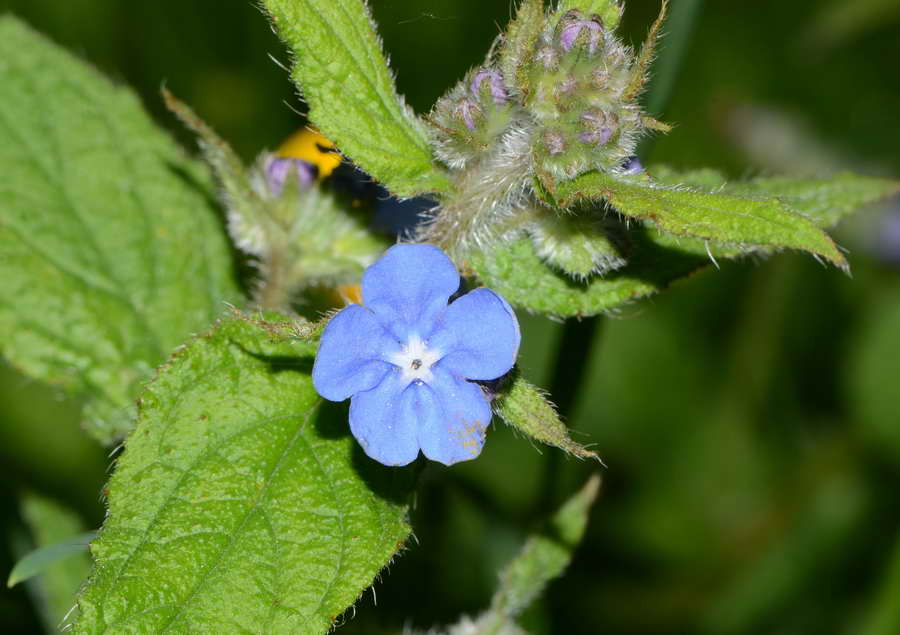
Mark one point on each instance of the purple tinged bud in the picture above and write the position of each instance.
(600, 128)
(632, 165)
(467, 109)
(573, 29)
(600, 78)
(498, 90)
(555, 142)
(567, 85)
(278, 170)
(548, 57)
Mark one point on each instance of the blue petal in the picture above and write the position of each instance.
(453, 417)
(408, 287)
(384, 420)
(352, 354)
(479, 336)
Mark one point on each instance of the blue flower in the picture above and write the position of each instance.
(407, 357)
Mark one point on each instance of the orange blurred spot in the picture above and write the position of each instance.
(350, 293)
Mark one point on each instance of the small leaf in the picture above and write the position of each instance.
(519, 42)
(656, 259)
(60, 560)
(609, 11)
(715, 217)
(342, 73)
(241, 503)
(54, 530)
(527, 409)
(110, 251)
(39, 560)
(544, 557)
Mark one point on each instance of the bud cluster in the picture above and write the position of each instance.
(556, 97)
(582, 94)
(471, 117)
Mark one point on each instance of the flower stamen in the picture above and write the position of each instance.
(415, 360)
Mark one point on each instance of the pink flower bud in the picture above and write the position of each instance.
(573, 30)
(498, 90)
(467, 109)
(278, 170)
(600, 128)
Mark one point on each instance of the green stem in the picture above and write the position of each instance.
(568, 376)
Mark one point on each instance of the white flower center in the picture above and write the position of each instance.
(415, 360)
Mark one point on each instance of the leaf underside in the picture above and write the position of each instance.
(111, 252)
(343, 76)
(241, 503)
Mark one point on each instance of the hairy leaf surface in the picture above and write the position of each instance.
(717, 217)
(343, 76)
(824, 200)
(656, 259)
(241, 503)
(110, 249)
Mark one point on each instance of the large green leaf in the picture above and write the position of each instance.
(708, 216)
(110, 249)
(657, 259)
(342, 73)
(824, 200)
(241, 503)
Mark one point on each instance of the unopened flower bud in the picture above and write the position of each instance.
(555, 142)
(574, 26)
(278, 170)
(600, 127)
(632, 165)
(548, 58)
(467, 109)
(498, 90)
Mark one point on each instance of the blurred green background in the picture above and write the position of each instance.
(749, 417)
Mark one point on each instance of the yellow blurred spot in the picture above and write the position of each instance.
(309, 145)
(350, 293)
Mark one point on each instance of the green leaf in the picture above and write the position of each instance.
(39, 560)
(241, 503)
(716, 217)
(516, 272)
(824, 200)
(527, 409)
(657, 259)
(342, 73)
(610, 11)
(60, 559)
(110, 250)
(544, 557)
